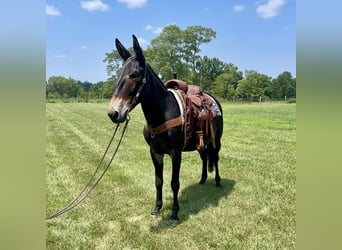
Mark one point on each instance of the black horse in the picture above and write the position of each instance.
(138, 83)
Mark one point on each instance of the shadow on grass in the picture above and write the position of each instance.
(192, 200)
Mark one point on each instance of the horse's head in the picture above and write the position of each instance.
(130, 81)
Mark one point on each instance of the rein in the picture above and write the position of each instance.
(84, 193)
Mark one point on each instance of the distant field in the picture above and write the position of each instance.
(255, 209)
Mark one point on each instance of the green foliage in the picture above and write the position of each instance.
(193, 38)
(58, 87)
(210, 68)
(166, 57)
(102, 90)
(283, 85)
(223, 86)
(61, 87)
(254, 86)
(291, 100)
(255, 209)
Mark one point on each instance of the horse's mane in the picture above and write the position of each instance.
(152, 76)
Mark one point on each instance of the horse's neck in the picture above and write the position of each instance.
(156, 103)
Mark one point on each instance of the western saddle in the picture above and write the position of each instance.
(198, 111)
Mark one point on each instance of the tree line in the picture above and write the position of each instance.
(60, 87)
(178, 51)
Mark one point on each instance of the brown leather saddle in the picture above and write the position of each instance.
(198, 111)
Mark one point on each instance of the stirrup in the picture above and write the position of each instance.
(200, 141)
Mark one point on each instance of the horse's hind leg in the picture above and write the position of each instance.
(204, 158)
(213, 162)
(158, 168)
(217, 175)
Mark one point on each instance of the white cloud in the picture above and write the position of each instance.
(239, 8)
(149, 27)
(155, 30)
(83, 47)
(133, 3)
(52, 10)
(270, 9)
(60, 56)
(94, 5)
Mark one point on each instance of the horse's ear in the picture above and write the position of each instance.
(138, 51)
(124, 53)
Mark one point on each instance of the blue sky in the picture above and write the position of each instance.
(253, 35)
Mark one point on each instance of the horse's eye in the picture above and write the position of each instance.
(134, 75)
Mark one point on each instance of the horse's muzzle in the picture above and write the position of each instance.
(116, 117)
(118, 110)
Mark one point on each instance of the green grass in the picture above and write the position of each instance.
(255, 209)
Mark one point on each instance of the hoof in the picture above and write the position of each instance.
(218, 184)
(155, 212)
(201, 182)
(173, 218)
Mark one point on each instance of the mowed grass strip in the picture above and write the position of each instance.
(255, 209)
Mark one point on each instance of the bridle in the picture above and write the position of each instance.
(136, 97)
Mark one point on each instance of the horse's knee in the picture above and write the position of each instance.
(175, 185)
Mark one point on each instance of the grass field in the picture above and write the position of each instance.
(255, 209)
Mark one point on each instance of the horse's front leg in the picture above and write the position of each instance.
(176, 163)
(158, 164)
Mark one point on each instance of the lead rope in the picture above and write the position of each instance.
(84, 194)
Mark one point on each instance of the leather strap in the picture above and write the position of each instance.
(165, 126)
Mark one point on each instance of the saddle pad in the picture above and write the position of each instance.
(179, 101)
(214, 107)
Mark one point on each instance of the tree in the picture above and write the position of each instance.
(244, 89)
(102, 90)
(223, 86)
(284, 85)
(210, 68)
(84, 85)
(61, 87)
(165, 53)
(194, 37)
(254, 86)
